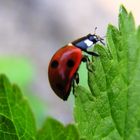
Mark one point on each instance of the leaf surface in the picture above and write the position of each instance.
(16, 118)
(110, 110)
(54, 130)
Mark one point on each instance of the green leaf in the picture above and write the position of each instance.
(54, 130)
(110, 110)
(16, 118)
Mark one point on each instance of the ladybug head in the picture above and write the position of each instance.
(95, 38)
(88, 41)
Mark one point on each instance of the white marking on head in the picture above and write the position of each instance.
(88, 43)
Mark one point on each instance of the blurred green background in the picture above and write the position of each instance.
(30, 33)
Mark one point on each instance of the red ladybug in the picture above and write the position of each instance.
(65, 62)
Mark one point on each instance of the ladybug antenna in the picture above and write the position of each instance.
(95, 30)
(101, 40)
(98, 37)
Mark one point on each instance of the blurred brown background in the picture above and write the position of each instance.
(35, 29)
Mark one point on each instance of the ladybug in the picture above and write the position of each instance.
(63, 67)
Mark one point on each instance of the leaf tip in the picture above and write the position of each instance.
(138, 28)
(109, 28)
(4, 81)
(3, 77)
(122, 10)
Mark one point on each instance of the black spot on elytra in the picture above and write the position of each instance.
(54, 64)
(70, 63)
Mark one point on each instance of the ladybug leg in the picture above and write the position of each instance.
(76, 79)
(88, 63)
(91, 53)
(73, 87)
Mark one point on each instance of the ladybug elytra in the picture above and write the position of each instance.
(63, 67)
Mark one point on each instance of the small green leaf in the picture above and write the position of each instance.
(54, 130)
(111, 109)
(16, 118)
